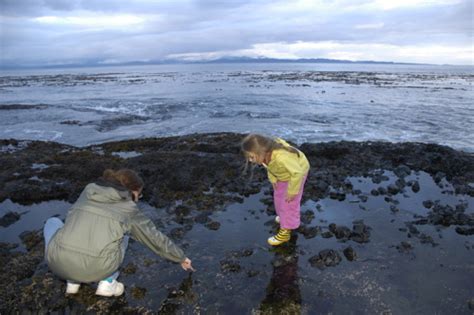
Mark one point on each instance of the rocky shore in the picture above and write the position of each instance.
(195, 177)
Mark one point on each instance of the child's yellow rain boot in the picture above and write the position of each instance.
(283, 236)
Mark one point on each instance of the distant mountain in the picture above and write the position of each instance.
(96, 63)
(303, 60)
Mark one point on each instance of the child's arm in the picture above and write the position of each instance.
(145, 231)
(297, 174)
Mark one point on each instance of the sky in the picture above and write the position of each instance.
(62, 32)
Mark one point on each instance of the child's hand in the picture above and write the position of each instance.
(274, 186)
(290, 198)
(186, 264)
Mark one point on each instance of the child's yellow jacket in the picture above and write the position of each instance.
(287, 167)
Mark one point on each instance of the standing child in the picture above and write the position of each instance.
(90, 246)
(287, 169)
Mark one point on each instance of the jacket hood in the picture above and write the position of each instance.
(105, 192)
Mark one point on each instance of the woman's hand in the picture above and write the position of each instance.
(186, 264)
(290, 198)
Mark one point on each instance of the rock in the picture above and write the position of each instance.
(9, 218)
(404, 247)
(325, 258)
(393, 189)
(327, 234)
(438, 177)
(213, 225)
(360, 232)
(309, 232)
(465, 231)
(363, 198)
(470, 304)
(252, 273)
(129, 269)
(382, 190)
(415, 187)
(31, 238)
(202, 218)
(402, 171)
(138, 293)
(230, 266)
(341, 232)
(350, 253)
(428, 204)
(177, 233)
(400, 183)
(307, 217)
(374, 192)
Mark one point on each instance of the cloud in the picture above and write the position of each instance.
(79, 31)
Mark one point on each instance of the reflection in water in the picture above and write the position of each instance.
(283, 294)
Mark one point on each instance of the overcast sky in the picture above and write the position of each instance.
(51, 32)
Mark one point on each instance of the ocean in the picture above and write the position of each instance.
(299, 102)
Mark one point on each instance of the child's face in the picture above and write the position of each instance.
(255, 158)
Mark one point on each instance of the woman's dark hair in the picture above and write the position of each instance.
(124, 177)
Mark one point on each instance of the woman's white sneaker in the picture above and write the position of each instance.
(106, 288)
(72, 288)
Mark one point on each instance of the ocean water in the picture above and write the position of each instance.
(299, 102)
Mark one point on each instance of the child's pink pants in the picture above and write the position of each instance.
(289, 212)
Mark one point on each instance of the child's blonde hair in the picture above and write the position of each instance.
(260, 145)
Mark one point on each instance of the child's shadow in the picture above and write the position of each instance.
(283, 292)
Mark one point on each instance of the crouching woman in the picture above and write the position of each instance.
(91, 244)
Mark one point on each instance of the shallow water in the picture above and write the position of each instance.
(428, 279)
(304, 103)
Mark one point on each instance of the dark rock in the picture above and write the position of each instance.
(470, 304)
(325, 258)
(404, 247)
(307, 217)
(178, 233)
(402, 171)
(465, 231)
(438, 177)
(382, 190)
(428, 204)
(138, 293)
(363, 198)
(400, 183)
(31, 239)
(374, 192)
(393, 189)
(129, 269)
(202, 218)
(415, 187)
(360, 232)
(213, 225)
(341, 232)
(309, 232)
(350, 253)
(252, 273)
(242, 253)
(9, 218)
(394, 209)
(426, 239)
(327, 234)
(230, 266)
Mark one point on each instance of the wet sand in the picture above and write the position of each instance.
(386, 228)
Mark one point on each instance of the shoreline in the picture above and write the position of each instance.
(375, 216)
(68, 165)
